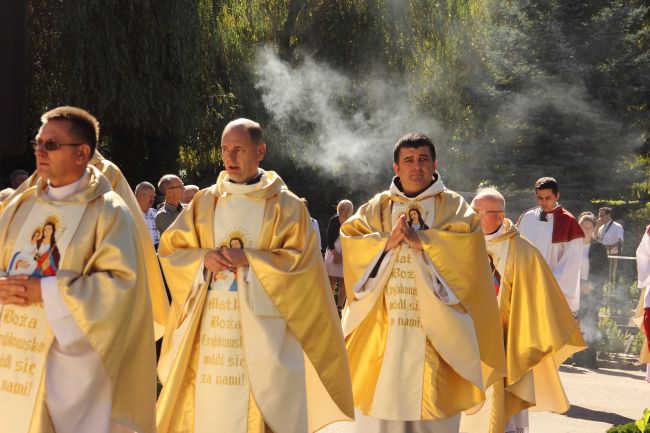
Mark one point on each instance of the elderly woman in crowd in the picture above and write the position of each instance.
(333, 255)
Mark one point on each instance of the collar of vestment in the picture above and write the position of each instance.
(565, 226)
(498, 232)
(96, 159)
(91, 186)
(435, 188)
(269, 185)
(255, 179)
(505, 232)
(61, 192)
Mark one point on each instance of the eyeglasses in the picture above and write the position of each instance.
(51, 145)
(482, 212)
(177, 186)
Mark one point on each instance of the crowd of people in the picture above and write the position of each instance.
(452, 317)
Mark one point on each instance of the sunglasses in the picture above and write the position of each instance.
(51, 145)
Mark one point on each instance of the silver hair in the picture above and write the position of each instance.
(345, 204)
(142, 186)
(493, 193)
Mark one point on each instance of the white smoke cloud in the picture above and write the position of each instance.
(310, 107)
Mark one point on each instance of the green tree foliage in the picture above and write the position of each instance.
(140, 67)
(511, 90)
(549, 85)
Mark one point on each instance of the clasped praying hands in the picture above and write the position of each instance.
(225, 259)
(401, 232)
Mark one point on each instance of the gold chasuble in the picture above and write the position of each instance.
(421, 327)
(539, 331)
(155, 285)
(83, 246)
(260, 348)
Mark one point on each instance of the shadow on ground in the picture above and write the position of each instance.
(619, 374)
(597, 415)
(571, 369)
(580, 370)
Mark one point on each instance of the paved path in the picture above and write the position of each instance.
(599, 399)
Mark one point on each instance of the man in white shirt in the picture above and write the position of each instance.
(557, 235)
(610, 234)
(145, 193)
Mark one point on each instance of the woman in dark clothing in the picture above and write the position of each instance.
(593, 274)
(333, 255)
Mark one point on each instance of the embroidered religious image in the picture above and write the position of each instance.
(227, 280)
(39, 254)
(496, 276)
(414, 218)
(236, 243)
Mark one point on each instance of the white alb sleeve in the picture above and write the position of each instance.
(64, 326)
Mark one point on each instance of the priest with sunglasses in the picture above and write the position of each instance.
(119, 184)
(75, 315)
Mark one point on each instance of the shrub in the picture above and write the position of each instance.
(613, 339)
(625, 428)
(640, 426)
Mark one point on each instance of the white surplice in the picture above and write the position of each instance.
(562, 257)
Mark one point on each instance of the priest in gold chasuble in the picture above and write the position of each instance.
(421, 325)
(253, 343)
(154, 285)
(539, 329)
(76, 330)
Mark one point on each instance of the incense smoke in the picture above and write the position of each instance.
(325, 119)
(347, 127)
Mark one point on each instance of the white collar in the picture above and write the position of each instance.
(232, 188)
(501, 230)
(435, 188)
(61, 192)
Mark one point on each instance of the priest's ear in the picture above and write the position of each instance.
(261, 150)
(83, 154)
